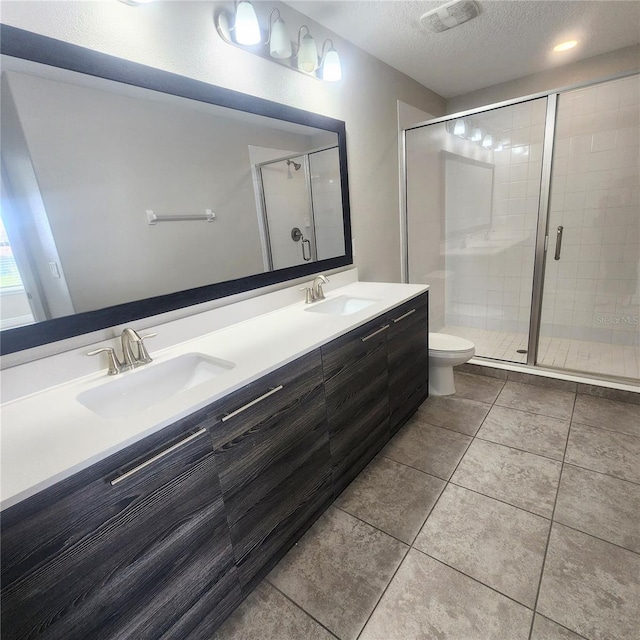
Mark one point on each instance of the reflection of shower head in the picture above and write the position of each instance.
(296, 165)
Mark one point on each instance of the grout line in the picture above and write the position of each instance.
(484, 584)
(602, 473)
(306, 613)
(510, 446)
(404, 464)
(373, 526)
(535, 613)
(592, 426)
(555, 502)
(591, 535)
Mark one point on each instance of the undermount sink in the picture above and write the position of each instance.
(341, 305)
(145, 387)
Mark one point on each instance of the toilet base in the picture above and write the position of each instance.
(441, 381)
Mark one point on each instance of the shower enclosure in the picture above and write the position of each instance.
(300, 208)
(524, 219)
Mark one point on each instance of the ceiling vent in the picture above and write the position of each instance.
(450, 15)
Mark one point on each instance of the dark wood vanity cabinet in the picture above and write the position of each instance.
(163, 539)
(137, 546)
(408, 359)
(272, 455)
(375, 378)
(356, 388)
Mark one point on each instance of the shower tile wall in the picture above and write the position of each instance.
(490, 271)
(592, 292)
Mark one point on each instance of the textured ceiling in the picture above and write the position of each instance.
(510, 39)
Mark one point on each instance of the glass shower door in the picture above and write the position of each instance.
(591, 298)
(473, 194)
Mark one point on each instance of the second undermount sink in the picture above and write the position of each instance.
(145, 387)
(341, 305)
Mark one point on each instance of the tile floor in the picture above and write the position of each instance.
(508, 511)
(560, 353)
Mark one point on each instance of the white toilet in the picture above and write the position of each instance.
(446, 352)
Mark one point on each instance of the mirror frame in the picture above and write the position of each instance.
(19, 43)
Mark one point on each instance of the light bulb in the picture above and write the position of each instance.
(307, 52)
(565, 46)
(477, 135)
(460, 128)
(331, 67)
(279, 44)
(247, 28)
(487, 142)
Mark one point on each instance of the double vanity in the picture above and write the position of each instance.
(148, 504)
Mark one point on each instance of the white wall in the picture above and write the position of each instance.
(598, 67)
(181, 37)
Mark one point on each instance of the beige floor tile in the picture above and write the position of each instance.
(615, 454)
(481, 388)
(591, 586)
(608, 414)
(603, 506)
(545, 629)
(451, 412)
(431, 449)
(497, 544)
(267, 615)
(338, 571)
(427, 599)
(535, 399)
(531, 432)
(516, 477)
(392, 497)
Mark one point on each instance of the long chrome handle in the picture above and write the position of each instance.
(375, 333)
(228, 416)
(404, 315)
(558, 242)
(157, 457)
(304, 255)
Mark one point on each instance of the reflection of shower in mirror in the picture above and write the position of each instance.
(296, 165)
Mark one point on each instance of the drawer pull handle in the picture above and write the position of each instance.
(375, 333)
(404, 315)
(162, 454)
(228, 416)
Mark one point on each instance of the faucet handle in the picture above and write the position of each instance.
(143, 354)
(308, 294)
(115, 366)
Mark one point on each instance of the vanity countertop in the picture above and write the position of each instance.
(48, 436)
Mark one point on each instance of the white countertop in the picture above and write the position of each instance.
(48, 436)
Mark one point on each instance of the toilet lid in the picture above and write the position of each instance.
(446, 342)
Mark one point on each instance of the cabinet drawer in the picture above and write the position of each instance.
(272, 455)
(408, 360)
(132, 559)
(344, 352)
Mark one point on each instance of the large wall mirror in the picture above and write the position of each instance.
(128, 191)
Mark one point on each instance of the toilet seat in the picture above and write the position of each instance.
(445, 342)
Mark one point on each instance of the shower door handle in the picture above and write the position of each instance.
(306, 256)
(558, 242)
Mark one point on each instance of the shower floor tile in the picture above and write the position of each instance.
(562, 353)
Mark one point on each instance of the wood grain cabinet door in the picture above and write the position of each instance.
(136, 547)
(408, 354)
(356, 387)
(272, 455)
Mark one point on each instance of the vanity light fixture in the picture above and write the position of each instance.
(487, 141)
(246, 26)
(330, 63)
(477, 135)
(278, 40)
(243, 31)
(307, 53)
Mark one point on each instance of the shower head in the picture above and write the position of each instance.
(296, 165)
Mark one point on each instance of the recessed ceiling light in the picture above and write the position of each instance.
(565, 46)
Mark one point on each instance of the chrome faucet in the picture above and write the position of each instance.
(315, 292)
(316, 287)
(134, 352)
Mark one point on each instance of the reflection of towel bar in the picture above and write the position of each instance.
(152, 217)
